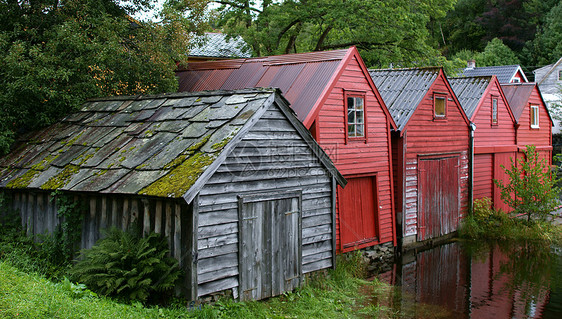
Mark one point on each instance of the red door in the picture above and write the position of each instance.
(358, 213)
(438, 196)
(499, 174)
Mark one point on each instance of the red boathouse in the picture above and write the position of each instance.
(336, 99)
(430, 151)
(494, 136)
(534, 124)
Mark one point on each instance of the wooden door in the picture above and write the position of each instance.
(358, 213)
(438, 196)
(499, 174)
(269, 245)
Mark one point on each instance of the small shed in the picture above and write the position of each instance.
(494, 133)
(235, 182)
(534, 124)
(430, 151)
(334, 96)
(549, 79)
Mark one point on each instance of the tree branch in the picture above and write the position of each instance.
(236, 5)
(320, 43)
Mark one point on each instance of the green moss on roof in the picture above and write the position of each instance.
(180, 179)
(24, 180)
(61, 179)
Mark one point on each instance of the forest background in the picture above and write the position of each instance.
(55, 54)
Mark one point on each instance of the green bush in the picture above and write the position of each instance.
(129, 267)
(532, 189)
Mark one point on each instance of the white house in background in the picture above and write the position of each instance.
(549, 80)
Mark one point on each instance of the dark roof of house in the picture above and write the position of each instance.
(158, 145)
(504, 73)
(218, 45)
(469, 91)
(403, 90)
(301, 77)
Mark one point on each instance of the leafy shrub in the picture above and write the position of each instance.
(129, 267)
(532, 189)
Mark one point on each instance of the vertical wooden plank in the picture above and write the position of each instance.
(276, 243)
(93, 229)
(333, 211)
(103, 213)
(126, 213)
(177, 231)
(189, 247)
(50, 214)
(158, 217)
(168, 229)
(41, 212)
(134, 211)
(146, 216)
(114, 212)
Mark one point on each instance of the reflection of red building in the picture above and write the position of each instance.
(467, 287)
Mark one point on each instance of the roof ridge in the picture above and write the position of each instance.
(181, 94)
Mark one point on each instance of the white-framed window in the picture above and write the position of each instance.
(534, 116)
(355, 123)
(516, 80)
(560, 75)
(439, 106)
(494, 110)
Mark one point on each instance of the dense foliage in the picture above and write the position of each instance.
(129, 267)
(385, 31)
(55, 54)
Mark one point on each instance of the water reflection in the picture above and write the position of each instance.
(476, 280)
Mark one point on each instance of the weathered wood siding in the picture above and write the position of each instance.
(359, 157)
(38, 213)
(494, 144)
(540, 137)
(425, 136)
(271, 157)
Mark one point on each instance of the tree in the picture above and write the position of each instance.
(385, 31)
(547, 47)
(531, 190)
(56, 54)
(496, 53)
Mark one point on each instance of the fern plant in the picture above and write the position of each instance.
(128, 266)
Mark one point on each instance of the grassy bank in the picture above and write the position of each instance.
(486, 223)
(338, 294)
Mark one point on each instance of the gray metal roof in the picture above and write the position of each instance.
(469, 91)
(504, 73)
(403, 89)
(147, 145)
(218, 45)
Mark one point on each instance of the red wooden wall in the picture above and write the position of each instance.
(425, 137)
(540, 137)
(494, 144)
(359, 161)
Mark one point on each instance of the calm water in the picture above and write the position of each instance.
(464, 280)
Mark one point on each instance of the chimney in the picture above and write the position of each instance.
(471, 64)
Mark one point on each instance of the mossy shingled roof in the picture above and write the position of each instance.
(146, 145)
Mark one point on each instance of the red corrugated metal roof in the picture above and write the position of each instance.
(301, 77)
(518, 96)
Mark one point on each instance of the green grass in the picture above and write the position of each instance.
(334, 294)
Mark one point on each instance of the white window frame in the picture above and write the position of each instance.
(494, 110)
(534, 115)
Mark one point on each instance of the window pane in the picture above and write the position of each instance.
(350, 103)
(494, 110)
(350, 117)
(358, 103)
(439, 106)
(360, 130)
(360, 116)
(351, 130)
